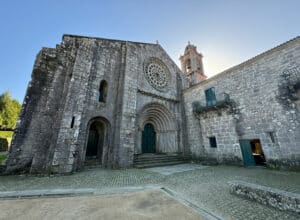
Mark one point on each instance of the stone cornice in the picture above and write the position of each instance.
(157, 96)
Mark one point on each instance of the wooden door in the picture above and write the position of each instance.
(247, 153)
(148, 139)
(93, 141)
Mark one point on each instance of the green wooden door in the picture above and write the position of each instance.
(247, 153)
(148, 139)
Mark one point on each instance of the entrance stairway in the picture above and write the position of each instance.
(92, 163)
(156, 160)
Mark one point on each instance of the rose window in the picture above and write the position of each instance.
(157, 74)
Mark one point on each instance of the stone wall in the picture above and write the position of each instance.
(261, 103)
(275, 198)
(39, 120)
(65, 87)
(97, 60)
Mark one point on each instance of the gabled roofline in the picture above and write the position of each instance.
(249, 61)
(100, 38)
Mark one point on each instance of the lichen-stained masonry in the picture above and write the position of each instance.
(63, 99)
(90, 99)
(256, 100)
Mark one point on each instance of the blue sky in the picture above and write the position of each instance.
(227, 32)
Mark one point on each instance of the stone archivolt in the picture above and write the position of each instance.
(159, 116)
(165, 126)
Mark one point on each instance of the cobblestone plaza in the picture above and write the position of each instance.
(206, 187)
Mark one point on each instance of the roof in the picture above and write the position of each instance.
(99, 38)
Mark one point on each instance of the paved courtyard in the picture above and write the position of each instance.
(140, 205)
(205, 188)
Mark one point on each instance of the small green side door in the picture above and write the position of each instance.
(148, 139)
(247, 153)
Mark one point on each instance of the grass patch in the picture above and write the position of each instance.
(2, 157)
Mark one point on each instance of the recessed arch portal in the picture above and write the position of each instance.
(97, 141)
(164, 124)
(159, 116)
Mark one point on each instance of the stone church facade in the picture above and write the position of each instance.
(94, 99)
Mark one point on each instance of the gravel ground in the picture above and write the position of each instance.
(206, 187)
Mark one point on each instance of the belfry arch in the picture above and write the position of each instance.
(164, 125)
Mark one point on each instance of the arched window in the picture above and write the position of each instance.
(103, 91)
(188, 65)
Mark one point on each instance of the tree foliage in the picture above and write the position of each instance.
(9, 111)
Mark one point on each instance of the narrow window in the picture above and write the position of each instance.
(103, 91)
(212, 142)
(210, 96)
(72, 122)
(272, 136)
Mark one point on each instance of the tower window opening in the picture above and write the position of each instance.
(272, 136)
(188, 65)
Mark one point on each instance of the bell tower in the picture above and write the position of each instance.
(191, 64)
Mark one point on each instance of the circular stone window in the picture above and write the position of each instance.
(156, 73)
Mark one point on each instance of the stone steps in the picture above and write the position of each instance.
(90, 163)
(155, 160)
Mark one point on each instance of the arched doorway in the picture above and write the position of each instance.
(148, 139)
(94, 149)
(156, 120)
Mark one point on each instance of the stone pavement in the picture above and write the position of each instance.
(204, 187)
(140, 205)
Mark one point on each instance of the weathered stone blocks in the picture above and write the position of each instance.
(275, 198)
(264, 93)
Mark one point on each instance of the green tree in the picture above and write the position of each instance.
(9, 111)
